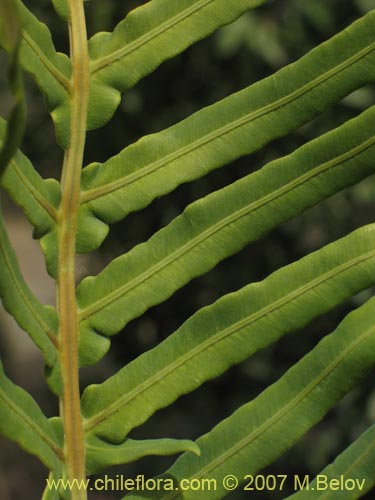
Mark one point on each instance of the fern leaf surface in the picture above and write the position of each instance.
(260, 431)
(228, 332)
(101, 454)
(149, 35)
(40, 322)
(219, 225)
(39, 198)
(22, 421)
(50, 69)
(62, 8)
(233, 127)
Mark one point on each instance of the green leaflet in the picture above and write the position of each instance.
(219, 225)
(208, 231)
(101, 455)
(10, 30)
(139, 44)
(40, 322)
(236, 126)
(356, 462)
(22, 421)
(260, 431)
(228, 332)
(39, 198)
(148, 36)
(50, 69)
(62, 8)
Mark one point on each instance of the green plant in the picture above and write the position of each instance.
(82, 92)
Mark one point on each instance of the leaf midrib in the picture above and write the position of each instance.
(223, 335)
(281, 413)
(95, 193)
(114, 56)
(100, 304)
(43, 202)
(51, 68)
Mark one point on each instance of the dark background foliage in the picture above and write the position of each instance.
(252, 48)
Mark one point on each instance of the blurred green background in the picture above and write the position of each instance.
(253, 47)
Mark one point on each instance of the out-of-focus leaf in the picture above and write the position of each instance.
(353, 467)
(11, 33)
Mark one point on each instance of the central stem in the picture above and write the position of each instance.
(71, 175)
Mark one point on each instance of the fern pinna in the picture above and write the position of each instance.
(82, 91)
